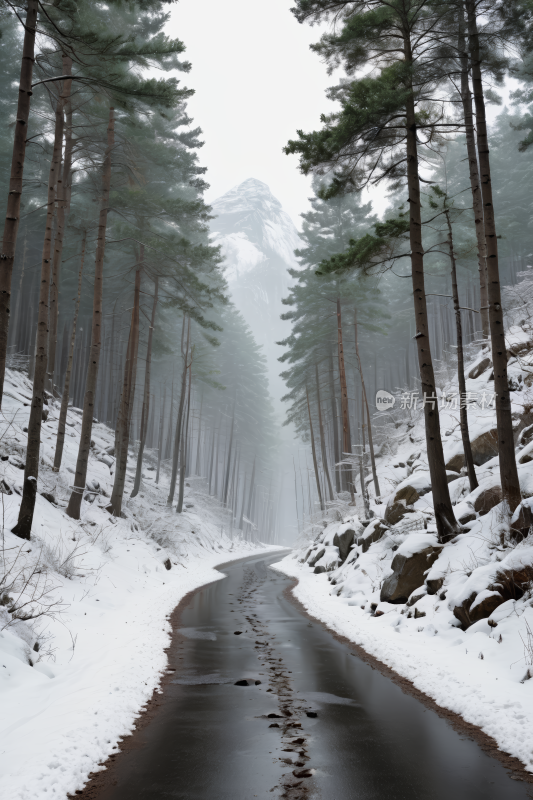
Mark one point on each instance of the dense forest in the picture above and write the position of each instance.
(113, 297)
(419, 80)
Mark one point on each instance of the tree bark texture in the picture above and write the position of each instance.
(313, 450)
(447, 526)
(31, 471)
(128, 396)
(177, 436)
(11, 225)
(184, 442)
(346, 438)
(62, 213)
(365, 399)
(74, 505)
(323, 438)
(58, 456)
(463, 411)
(508, 470)
(477, 200)
(146, 397)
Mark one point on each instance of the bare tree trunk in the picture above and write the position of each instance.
(250, 497)
(74, 505)
(175, 456)
(31, 471)
(447, 526)
(315, 464)
(227, 472)
(63, 196)
(184, 439)
(58, 456)
(336, 447)
(463, 412)
(362, 458)
(11, 225)
(508, 471)
(146, 398)
(128, 396)
(322, 438)
(477, 200)
(346, 439)
(370, 442)
(212, 461)
(160, 440)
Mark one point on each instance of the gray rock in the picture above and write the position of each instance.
(318, 555)
(408, 574)
(480, 368)
(488, 498)
(374, 532)
(407, 493)
(395, 511)
(484, 447)
(344, 541)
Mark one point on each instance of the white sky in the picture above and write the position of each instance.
(256, 83)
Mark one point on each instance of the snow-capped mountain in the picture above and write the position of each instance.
(258, 240)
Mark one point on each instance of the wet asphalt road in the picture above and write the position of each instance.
(214, 740)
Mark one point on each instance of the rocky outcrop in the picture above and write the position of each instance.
(522, 520)
(487, 499)
(470, 612)
(408, 574)
(479, 368)
(509, 584)
(316, 556)
(373, 533)
(344, 542)
(395, 511)
(484, 447)
(407, 493)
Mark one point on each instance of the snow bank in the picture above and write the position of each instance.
(73, 681)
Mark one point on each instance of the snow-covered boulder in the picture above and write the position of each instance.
(409, 566)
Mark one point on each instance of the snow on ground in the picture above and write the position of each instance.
(455, 619)
(73, 681)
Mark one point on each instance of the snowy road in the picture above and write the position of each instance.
(211, 739)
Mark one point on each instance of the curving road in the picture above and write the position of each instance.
(309, 720)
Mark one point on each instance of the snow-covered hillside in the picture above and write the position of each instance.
(74, 678)
(258, 240)
(456, 619)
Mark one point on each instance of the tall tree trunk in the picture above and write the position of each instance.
(63, 197)
(362, 458)
(447, 526)
(184, 440)
(126, 404)
(146, 398)
(370, 441)
(250, 497)
(323, 438)
(346, 438)
(11, 225)
(31, 471)
(211, 462)
(335, 424)
(315, 463)
(463, 412)
(508, 470)
(477, 200)
(227, 472)
(58, 456)
(176, 453)
(74, 505)
(160, 439)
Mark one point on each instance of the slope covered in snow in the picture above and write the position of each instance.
(454, 618)
(74, 678)
(258, 240)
